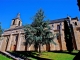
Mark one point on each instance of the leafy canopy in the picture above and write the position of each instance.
(1, 31)
(39, 30)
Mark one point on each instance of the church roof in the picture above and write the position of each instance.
(61, 20)
(20, 27)
(51, 22)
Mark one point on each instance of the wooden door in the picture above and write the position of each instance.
(47, 47)
(13, 48)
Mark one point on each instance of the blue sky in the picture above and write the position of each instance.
(53, 9)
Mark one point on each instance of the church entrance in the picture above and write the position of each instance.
(47, 47)
(13, 48)
(14, 43)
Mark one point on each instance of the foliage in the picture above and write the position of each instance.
(38, 33)
(58, 56)
(68, 36)
(78, 3)
(1, 31)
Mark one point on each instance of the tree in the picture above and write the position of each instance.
(1, 31)
(78, 3)
(38, 33)
(68, 36)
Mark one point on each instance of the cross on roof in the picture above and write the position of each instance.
(18, 15)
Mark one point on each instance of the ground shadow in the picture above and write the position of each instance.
(30, 54)
(64, 52)
(77, 57)
(17, 55)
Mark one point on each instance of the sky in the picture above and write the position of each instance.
(53, 9)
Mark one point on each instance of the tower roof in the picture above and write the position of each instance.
(17, 17)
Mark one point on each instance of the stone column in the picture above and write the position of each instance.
(9, 43)
(77, 39)
(18, 42)
(63, 43)
(1, 44)
(1, 41)
(60, 36)
(51, 44)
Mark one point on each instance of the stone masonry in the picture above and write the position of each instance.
(14, 36)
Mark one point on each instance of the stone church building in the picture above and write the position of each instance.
(14, 36)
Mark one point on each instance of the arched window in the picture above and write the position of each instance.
(52, 25)
(16, 37)
(58, 27)
(75, 23)
(19, 23)
(13, 22)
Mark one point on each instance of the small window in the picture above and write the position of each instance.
(13, 22)
(57, 37)
(19, 23)
(58, 27)
(16, 37)
(75, 23)
(52, 25)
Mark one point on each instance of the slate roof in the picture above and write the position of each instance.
(51, 22)
(61, 20)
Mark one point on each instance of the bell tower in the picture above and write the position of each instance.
(16, 22)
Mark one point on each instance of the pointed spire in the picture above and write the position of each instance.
(18, 15)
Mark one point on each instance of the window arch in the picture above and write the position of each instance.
(75, 23)
(58, 27)
(13, 22)
(16, 37)
(52, 25)
(19, 23)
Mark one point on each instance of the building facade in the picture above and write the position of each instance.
(14, 36)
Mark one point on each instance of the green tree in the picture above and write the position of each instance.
(68, 36)
(1, 31)
(38, 33)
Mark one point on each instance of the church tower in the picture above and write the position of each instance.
(16, 22)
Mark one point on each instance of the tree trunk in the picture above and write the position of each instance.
(39, 49)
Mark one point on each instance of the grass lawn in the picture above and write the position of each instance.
(2, 57)
(57, 56)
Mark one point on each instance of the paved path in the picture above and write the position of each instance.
(15, 57)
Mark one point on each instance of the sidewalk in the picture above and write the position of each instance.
(11, 56)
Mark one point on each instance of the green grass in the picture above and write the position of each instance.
(57, 56)
(2, 57)
(31, 58)
(50, 55)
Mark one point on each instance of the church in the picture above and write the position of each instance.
(14, 38)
